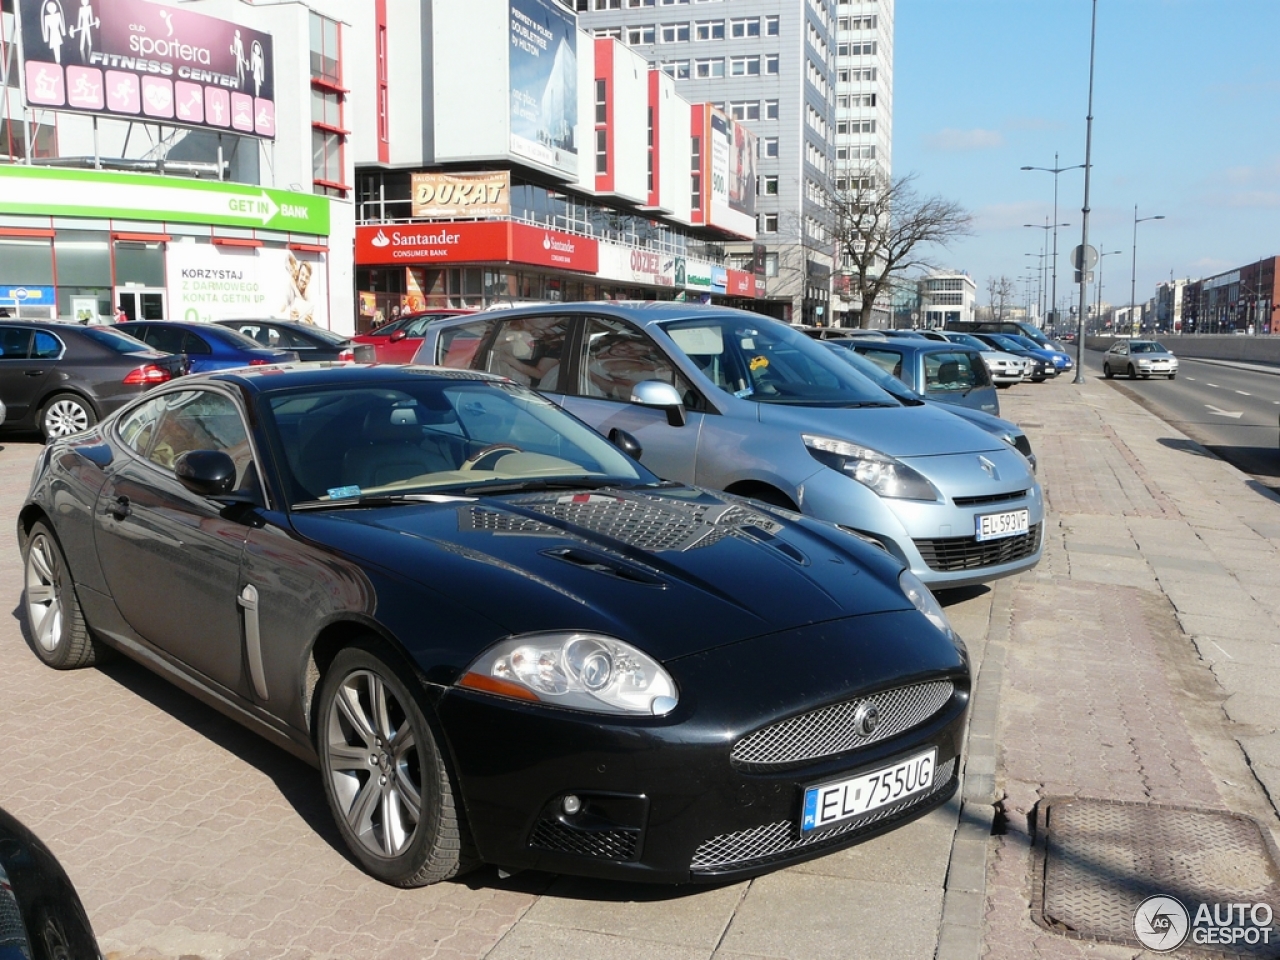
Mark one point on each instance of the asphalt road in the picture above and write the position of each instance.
(1232, 409)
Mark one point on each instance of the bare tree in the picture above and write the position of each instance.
(1000, 291)
(880, 228)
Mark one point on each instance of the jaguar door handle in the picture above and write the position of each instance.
(119, 508)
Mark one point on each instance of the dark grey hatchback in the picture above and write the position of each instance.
(61, 378)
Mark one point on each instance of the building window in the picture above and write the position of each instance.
(705, 69)
(324, 50)
(608, 33)
(771, 26)
(768, 223)
(749, 27)
(608, 4)
(637, 36)
(768, 146)
(709, 30)
(771, 63)
(745, 110)
(328, 134)
(674, 32)
(602, 101)
(768, 186)
(695, 174)
(771, 109)
(744, 66)
(679, 69)
(602, 151)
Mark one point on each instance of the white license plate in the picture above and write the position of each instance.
(833, 803)
(993, 526)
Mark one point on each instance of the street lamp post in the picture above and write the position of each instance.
(1046, 226)
(1084, 210)
(1055, 170)
(1098, 310)
(1133, 281)
(1040, 271)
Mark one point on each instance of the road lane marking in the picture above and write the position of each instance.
(1243, 394)
(1234, 414)
(1208, 384)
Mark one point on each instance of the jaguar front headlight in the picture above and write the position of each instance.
(880, 472)
(580, 671)
(923, 600)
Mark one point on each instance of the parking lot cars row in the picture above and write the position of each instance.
(733, 401)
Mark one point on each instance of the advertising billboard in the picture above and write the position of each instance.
(732, 160)
(544, 84)
(447, 196)
(631, 265)
(207, 283)
(134, 59)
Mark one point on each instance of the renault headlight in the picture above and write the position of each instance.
(580, 671)
(885, 475)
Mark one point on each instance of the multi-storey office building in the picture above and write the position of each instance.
(174, 160)
(814, 80)
(947, 297)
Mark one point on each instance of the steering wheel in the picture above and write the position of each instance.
(488, 458)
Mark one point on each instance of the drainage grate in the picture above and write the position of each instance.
(1098, 860)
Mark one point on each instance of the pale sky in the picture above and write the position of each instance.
(1185, 125)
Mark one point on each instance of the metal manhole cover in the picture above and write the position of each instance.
(1098, 861)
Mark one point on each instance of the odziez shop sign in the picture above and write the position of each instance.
(416, 244)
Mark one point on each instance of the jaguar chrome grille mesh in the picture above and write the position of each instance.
(830, 730)
(773, 841)
(949, 554)
(601, 844)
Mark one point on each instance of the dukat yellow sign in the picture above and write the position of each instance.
(439, 196)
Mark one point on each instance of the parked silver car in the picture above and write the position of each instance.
(735, 401)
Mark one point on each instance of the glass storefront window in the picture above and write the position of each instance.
(137, 263)
(84, 258)
(27, 262)
(85, 304)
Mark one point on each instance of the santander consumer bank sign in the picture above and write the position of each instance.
(495, 241)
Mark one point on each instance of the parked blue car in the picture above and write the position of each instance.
(207, 346)
(1062, 361)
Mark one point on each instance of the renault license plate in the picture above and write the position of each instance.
(831, 803)
(993, 526)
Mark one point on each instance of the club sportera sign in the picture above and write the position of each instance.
(132, 58)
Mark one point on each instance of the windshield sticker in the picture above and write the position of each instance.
(342, 493)
(743, 394)
(699, 341)
(759, 363)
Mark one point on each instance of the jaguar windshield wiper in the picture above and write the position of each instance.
(373, 500)
(548, 483)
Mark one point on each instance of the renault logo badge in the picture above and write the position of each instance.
(990, 467)
(866, 719)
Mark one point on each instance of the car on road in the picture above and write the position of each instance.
(207, 346)
(1005, 430)
(734, 401)
(397, 341)
(311, 343)
(41, 915)
(946, 372)
(1005, 368)
(1139, 358)
(499, 637)
(61, 378)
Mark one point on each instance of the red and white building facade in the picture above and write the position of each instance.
(502, 155)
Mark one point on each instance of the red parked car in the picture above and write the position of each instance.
(398, 341)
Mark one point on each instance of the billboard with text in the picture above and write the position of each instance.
(544, 84)
(138, 60)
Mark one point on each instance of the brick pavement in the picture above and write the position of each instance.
(1105, 693)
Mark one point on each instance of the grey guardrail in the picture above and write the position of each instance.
(1243, 349)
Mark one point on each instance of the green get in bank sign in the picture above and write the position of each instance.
(127, 196)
